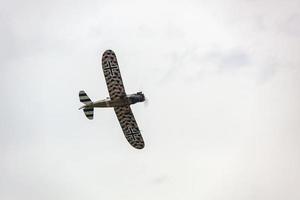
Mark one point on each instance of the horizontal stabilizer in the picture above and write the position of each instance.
(83, 97)
(89, 112)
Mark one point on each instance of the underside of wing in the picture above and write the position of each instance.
(129, 126)
(112, 75)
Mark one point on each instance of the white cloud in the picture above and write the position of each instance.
(222, 79)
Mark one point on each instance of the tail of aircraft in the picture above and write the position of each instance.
(87, 109)
(83, 97)
(89, 112)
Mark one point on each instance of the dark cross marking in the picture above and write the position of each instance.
(111, 68)
(132, 132)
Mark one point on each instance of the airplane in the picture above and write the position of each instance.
(118, 99)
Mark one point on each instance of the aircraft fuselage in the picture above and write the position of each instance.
(124, 101)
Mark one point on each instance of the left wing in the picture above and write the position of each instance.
(112, 75)
(129, 126)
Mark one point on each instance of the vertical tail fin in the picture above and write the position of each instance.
(87, 109)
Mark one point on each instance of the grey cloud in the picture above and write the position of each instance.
(160, 179)
(291, 25)
(198, 64)
(229, 60)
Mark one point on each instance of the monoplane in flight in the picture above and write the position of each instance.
(118, 100)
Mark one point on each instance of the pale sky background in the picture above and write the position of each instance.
(222, 79)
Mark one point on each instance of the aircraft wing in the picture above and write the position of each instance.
(112, 75)
(129, 126)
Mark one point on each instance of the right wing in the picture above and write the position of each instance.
(129, 126)
(112, 75)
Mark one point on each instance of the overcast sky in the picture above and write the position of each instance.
(222, 79)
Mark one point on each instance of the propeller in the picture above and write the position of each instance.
(146, 102)
(144, 91)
